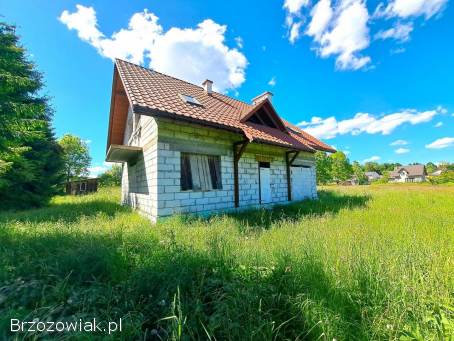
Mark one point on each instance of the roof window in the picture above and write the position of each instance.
(189, 99)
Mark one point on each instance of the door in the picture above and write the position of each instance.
(265, 182)
(301, 182)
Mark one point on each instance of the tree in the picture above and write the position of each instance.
(30, 158)
(358, 172)
(75, 155)
(111, 177)
(341, 169)
(323, 166)
(430, 167)
(372, 167)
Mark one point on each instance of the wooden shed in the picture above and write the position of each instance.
(82, 186)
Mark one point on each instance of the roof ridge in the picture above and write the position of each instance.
(178, 79)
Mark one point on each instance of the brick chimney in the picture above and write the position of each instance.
(266, 95)
(208, 86)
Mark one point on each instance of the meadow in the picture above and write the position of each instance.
(360, 263)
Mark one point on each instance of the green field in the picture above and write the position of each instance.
(362, 263)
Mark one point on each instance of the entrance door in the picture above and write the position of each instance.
(265, 182)
(301, 182)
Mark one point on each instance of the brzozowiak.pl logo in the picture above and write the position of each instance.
(77, 326)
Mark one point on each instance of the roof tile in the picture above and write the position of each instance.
(151, 91)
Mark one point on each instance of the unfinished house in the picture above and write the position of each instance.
(188, 149)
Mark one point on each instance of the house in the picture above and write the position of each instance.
(82, 186)
(188, 149)
(411, 173)
(372, 176)
(353, 181)
(438, 172)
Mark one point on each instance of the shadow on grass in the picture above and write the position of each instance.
(63, 276)
(66, 212)
(329, 202)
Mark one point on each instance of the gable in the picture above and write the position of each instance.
(264, 114)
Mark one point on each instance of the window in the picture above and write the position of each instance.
(200, 172)
(189, 99)
(264, 164)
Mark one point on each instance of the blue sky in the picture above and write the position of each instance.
(360, 75)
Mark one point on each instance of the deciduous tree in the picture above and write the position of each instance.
(341, 169)
(111, 177)
(76, 156)
(323, 166)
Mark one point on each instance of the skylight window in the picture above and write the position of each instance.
(189, 99)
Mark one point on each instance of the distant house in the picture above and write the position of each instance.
(353, 181)
(372, 176)
(82, 186)
(437, 172)
(411, 173)
(188, 149)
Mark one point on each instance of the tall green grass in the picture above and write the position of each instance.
(361, 263)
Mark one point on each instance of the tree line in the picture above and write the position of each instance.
(337, 168)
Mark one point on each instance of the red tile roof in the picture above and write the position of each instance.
(154, 93)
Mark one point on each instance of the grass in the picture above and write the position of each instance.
(362, 263)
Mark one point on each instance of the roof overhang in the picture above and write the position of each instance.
(122, 153)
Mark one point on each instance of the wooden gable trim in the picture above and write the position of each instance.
(119, 107)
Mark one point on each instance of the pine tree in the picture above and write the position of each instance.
(30, 158)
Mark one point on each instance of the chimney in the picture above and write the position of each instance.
(266, 95)
(208, 86)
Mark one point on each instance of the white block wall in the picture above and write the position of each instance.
(152, 185)
(139, 181)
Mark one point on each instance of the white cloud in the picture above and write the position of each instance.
(88, 141)
(401, 150)
(272, 81)
(400, 32)
(399, 143)
(411, 8)
(321, 15)
(365, 123)
(348, 36)
(202, 48)
(84, 22)
(444, 142)
(438, 125)
(294, 31)
(97, 170)
(372, 159)
(341, 28)
(239, 42)
(294, 6)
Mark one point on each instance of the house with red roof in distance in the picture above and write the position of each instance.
(410, 173)
(188, 149)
